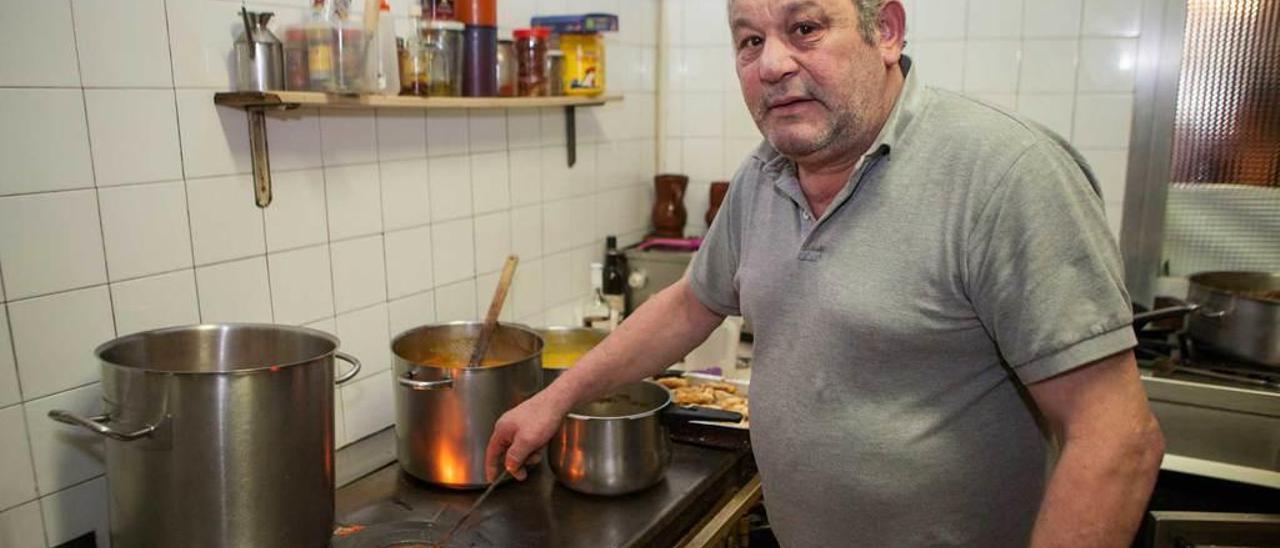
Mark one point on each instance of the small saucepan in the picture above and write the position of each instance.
(618, 444)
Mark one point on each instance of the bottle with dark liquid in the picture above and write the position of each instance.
(615, 277)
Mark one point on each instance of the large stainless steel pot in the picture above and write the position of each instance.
(1230, 313)
(219, 435)
(445, 411)
(563, 346)
(618, 444)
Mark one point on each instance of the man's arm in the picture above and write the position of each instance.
(1111, 449)
(660, 332)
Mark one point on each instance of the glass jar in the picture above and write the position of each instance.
(442, 44)
(507, 70)
(555, 73)
(295, 59)
(531, 61)
(583, 63)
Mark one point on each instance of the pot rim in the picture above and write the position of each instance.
(642, 415)
(101, 348)
(537, 352)
(1204, 281)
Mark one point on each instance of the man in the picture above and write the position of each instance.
(928, 279)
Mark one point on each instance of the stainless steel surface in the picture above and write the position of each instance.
(1191, 529)
(652, 271)
(1151, 144)
(240, 447)
(445, 411)
(540, 512)
(1234, 321)
(1218, 428)
(259, 55)
(563, 345)
(614, 445)
(444, 541)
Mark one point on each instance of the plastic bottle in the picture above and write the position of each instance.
(382, 71)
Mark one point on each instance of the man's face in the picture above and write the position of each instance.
(808, 77)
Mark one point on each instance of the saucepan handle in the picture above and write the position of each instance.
(97, 426)
(411, 383)
(351, 373)
(677, 413)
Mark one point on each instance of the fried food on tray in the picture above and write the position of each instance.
(673, 383)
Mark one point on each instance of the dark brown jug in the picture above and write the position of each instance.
(669, 214)
(718, 191)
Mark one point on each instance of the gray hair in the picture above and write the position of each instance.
(868, 17)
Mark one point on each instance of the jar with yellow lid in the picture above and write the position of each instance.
(583, 63)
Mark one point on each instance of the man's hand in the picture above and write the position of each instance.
(519, 433)
(664, 329)
(1111, 450)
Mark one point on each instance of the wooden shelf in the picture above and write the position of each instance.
(315, 99)
(256, 104)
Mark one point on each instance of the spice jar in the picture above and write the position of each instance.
(531, 58)
(442, 44)
(295, 59)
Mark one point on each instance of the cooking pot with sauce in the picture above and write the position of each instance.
(445, 411)
(563, 346)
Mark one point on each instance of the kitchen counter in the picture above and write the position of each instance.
(394, 507)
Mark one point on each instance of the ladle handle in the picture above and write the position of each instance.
(495, 308)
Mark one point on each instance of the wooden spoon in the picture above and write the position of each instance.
(495, 308)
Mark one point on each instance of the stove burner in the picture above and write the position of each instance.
(397, 534)
(1170, 353)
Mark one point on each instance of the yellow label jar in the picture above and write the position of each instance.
(583, 63)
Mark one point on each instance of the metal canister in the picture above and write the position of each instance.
(219, 435)
(445, 411)
(480, 44)
(259, 55)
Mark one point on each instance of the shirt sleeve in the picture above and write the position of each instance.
(1043, 271)
(713, 276)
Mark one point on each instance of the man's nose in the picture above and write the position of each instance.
(776, 61)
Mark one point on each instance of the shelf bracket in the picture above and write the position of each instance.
(571, 133)
(258, 149)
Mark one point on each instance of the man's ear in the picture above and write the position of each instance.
(891, 25)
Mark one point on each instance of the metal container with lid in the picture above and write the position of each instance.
(445, 411)
(219, 435)
(259, 54)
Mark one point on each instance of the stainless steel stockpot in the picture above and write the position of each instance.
(219, 435)
(445, 411)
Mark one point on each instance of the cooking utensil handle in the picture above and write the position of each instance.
(681, 413)
(409, 382)
(350, 374)
(1144, 318)
(95, 425)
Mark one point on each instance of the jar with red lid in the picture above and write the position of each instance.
(531, 61)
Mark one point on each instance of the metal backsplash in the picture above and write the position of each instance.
(1227, 126)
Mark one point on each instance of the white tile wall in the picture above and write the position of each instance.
(1067, 64)
(126, 204)
(51, 152)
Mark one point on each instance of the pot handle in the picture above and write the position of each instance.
(1144, 318)
(680, 413)
(350, 374)
(409, 382)
(95, 425)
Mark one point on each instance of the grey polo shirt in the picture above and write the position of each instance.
(967, 256)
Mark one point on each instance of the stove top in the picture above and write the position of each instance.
(1171, 354)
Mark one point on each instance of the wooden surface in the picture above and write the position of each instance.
(315, 99)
